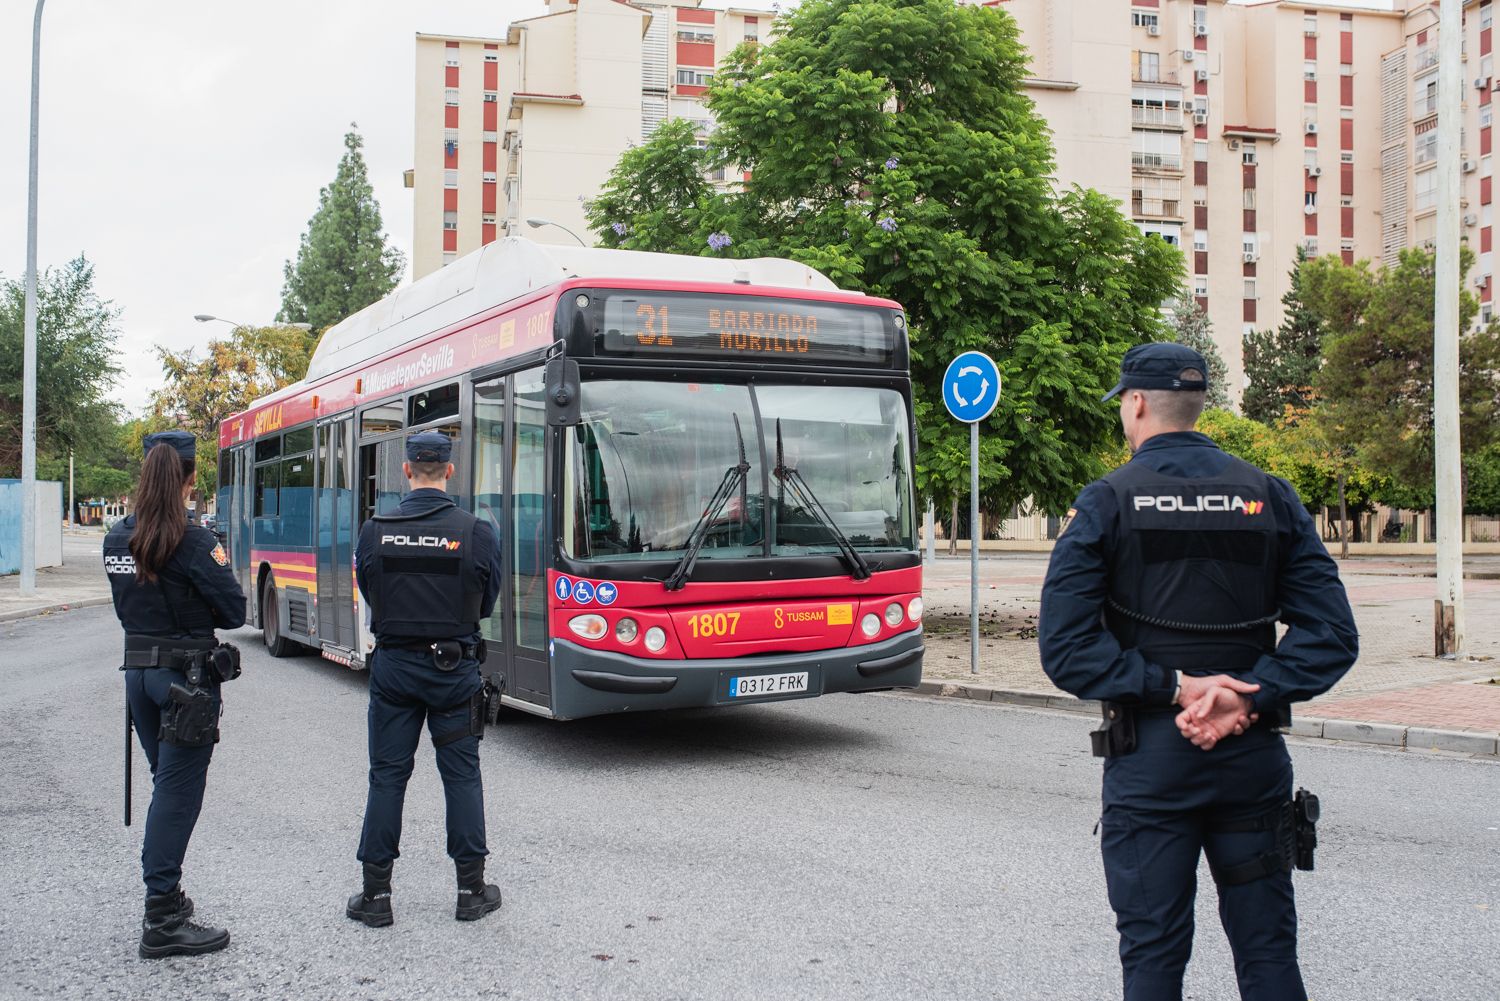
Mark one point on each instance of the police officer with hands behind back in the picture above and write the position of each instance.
(1161, 600)
(428, 573)
(172, 584)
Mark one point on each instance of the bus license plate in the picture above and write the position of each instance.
(767, 684)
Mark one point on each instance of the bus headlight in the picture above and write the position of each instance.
(914, 609)
(656, 638)
(590, 627)
(893, 614)
(626, 630)
(870, 625)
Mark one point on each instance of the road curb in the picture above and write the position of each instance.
(1482, 743)
(27, 613)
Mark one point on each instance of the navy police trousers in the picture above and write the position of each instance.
(406, 688)
(178, 777)
(1161, 803)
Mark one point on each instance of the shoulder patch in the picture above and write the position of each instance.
(220, 556)
(1066, 521)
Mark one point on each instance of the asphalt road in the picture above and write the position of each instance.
(851, 847)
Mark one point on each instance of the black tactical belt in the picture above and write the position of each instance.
(176, 654)
(471, 651)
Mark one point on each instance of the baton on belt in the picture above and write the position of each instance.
(128, 727)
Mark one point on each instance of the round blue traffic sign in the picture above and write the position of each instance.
(583, 592)
(606, 593)
(971, 386)
(564, 589)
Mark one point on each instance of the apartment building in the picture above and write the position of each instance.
(529, 125)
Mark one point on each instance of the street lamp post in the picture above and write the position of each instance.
(210, 318)
(536, 222)
(28, 376)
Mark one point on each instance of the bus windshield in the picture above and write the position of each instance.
(648, 457)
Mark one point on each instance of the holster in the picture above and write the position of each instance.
(484, 708)
(190, 718)
(1294, 824)
(1117, 735)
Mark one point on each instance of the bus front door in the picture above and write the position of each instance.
(335, 543)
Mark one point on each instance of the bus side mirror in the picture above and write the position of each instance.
(562, 393)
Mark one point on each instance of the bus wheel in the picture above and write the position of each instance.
(277, 645)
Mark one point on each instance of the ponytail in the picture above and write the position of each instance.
(160, 515)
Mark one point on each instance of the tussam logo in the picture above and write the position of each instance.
(426, 541)
(1207, 502)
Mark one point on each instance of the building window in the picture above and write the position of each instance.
(688, 77)
(1144, 19)
(450, 178)
(694, 35)
(1486, 314)
(490, 97)
(451, 57)
(1200, 105)
(1309, 201)
(1200, 194)
(1200, 151)
(1486, 115)
(1249, 199)
(492, 57)
(450, 220)
(1346, 202)
(1346, 69)
(1426, 195)
(1250, 289)
(1200, 240)
(1156, 149)
(1250, 244)
(1486, 15)
(1426, 148)
(1310, 244)
(1309, 158)
(1148, 67)
(488, 218)
(450, 97)
(1309, 27)
(1156, 196)
(1200, 285)
(1200, 20)
(1247, 153)
(1310, 69)
(1426, 100)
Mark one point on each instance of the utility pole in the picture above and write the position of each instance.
(1448, 627)
(28, 376)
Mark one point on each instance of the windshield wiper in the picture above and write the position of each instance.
(734, 479)
(803, 494)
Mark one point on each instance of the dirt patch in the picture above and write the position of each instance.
(1001, 625)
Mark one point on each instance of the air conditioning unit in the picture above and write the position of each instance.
(1251, 257)
(1187, 55)
(1200, 118)
(1311, 128)
(1314, 171)
(1481, 83)
(1153, 29)
(1234, 144)
(1470, 166)
(1200, 75)
(1309, 210)
(1482, 281)
(1200, 31)
(1471, 219)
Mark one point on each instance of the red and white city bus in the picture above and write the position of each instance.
(699, 470)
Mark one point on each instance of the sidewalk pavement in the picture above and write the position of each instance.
(78, 583)
(1397, 694)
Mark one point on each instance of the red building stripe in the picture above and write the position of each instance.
(686, 15)
(490, 157)
(1346, 222)
(450, 199)
(450, 241)
(491, 76)
(450, 117)
(491, 115)
(1346, 180)
(487, 197)
(1346, 47)
(1346, 91)
(487, 233)
(1346, 134)
(1309, 47)
(450, 76)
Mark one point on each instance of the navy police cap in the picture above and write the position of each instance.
(429, 446)
(183, 443)
(1160, 366)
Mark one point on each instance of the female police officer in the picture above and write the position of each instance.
(172, 585)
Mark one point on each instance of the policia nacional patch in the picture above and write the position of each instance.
(220, 556)
(1066, 521)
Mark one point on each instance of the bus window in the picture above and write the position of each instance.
(382, 419)
(296, 500)
(267, 497)
(298, 441)
(432, 405)
(489, 475)
(268, 448)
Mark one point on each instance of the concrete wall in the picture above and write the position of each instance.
(49, 514)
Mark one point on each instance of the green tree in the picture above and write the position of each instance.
(657, 196)
(343, 263)
(889, 143)
(75, 367)
(199, 392)
(1375, 386)
(1281, 365)
(1192, 328)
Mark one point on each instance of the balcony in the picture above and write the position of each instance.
(1424, 107)
(1426, 56)
(1147, 74)
(1162, 117)
(1156, 161)
(1157, 208)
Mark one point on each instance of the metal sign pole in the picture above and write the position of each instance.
(974, 548)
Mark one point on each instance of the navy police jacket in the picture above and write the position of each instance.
(1084, 656)
(194, 593)
(441, 606)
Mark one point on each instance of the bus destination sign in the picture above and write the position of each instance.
(743, 327)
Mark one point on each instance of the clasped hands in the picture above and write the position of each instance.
(1213, 708)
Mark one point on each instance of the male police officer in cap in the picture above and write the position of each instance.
(429, 572)
(1161, 600)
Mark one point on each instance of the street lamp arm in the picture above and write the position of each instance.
(536, 222)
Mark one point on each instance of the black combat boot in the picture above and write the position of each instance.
(166, 931)
(373, 904)
(476, 898)
(184, 902)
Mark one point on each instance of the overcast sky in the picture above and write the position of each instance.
(183, 143)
